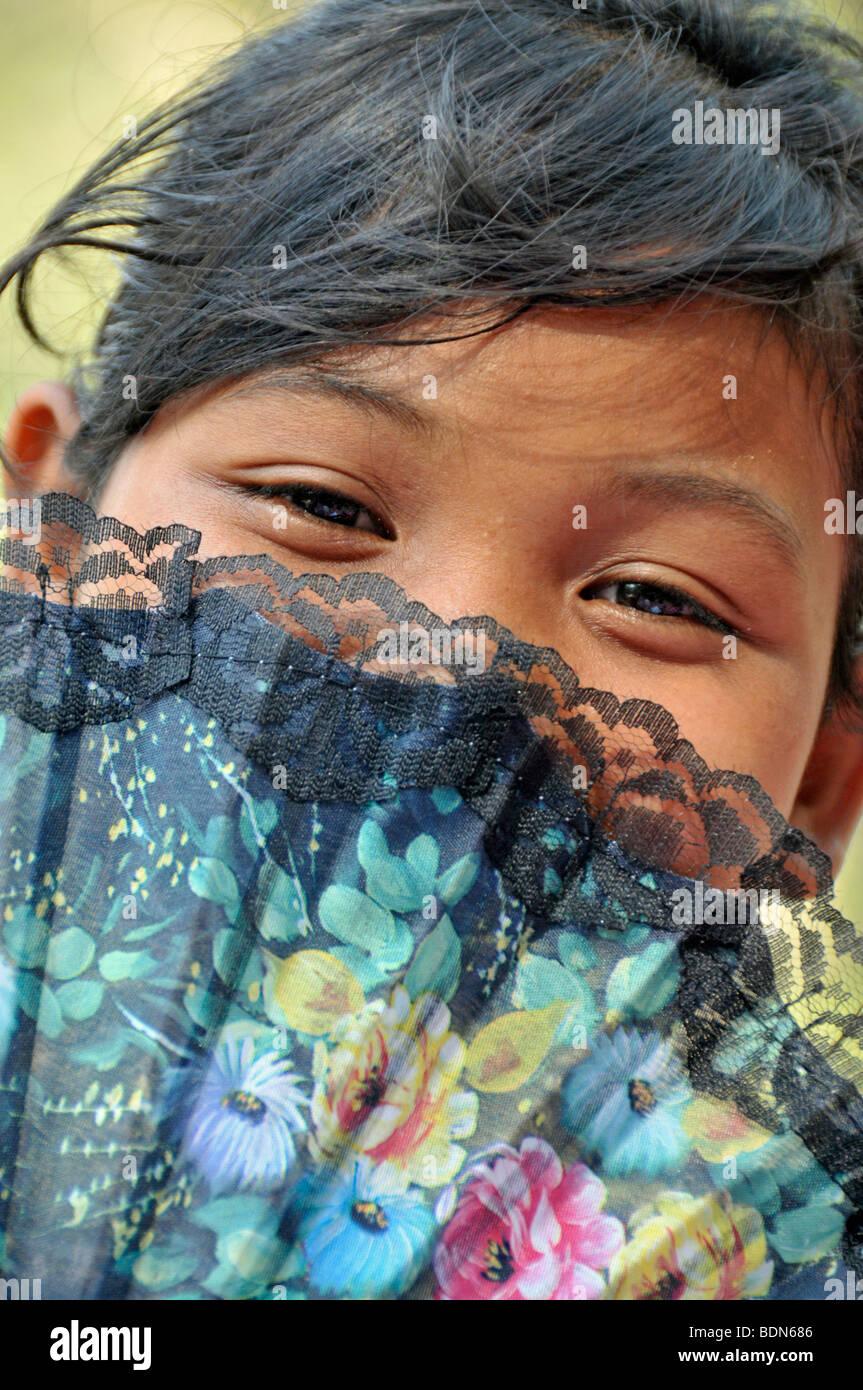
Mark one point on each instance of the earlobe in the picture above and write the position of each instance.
(830, 797)
(43, 421)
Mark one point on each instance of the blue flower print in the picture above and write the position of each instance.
(366, 1236)
(625, 1101)
(241, 1131)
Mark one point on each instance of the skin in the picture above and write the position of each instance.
(616, 411)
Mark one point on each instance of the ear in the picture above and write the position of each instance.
(830, 796)
(41, 424)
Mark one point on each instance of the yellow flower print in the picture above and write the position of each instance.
(692, 1248)
(387, 1086)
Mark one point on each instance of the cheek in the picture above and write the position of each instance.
(135, 490)
(760, 719)
(146, 488)
(761, 729)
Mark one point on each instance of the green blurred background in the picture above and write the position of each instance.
(71, 73)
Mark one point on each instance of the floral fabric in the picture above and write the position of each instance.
(259, 1043)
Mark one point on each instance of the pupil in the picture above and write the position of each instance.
(327, 506)
(649, 599)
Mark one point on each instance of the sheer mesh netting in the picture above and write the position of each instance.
(346, 952)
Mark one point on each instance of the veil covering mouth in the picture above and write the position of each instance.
(346, 953)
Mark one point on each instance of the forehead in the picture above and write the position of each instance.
(643, 380)
(646, 382)
(710, 387)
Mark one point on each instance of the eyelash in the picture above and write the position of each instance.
(657, 594)
(298, 493)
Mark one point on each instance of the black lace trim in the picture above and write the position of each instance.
(99, 620)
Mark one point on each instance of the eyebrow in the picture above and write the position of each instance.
(702, 490)
(681, 489)
(371, 400)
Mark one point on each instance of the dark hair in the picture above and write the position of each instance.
(553, 128)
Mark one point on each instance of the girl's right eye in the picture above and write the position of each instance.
(324, 505)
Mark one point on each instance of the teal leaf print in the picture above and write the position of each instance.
(162, 1267)
(806, 1234)
(551, 881)
(126, 965)
(639, 986)
(27, 989)
(212, 879)
(12, 770)
(250, 1254)
(445, 799)
(353, 918)
(235, 1213)
(540, 982)
(26, 938)
(79, 999)
(423, 857)
(218, 835)
(49, 1019)
(203, 1007)
(69, 953)
(226, 945)
(257, 820)
(389, 880)
(628, 937)
(280, 915)
(143, 933)
(238, 965)
(368, 971)
(436, 967)
(458, 879)
(190, 826)
(401, 884)
(758, 1035)
(576, 952)
(105, 1054)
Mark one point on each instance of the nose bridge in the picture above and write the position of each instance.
(496, 571)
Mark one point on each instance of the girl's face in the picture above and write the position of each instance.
(643, 491)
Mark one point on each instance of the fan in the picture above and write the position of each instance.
(346, 953)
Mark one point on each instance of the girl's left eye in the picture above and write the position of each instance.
(656, 599)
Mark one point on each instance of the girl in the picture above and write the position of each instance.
(350, 914)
